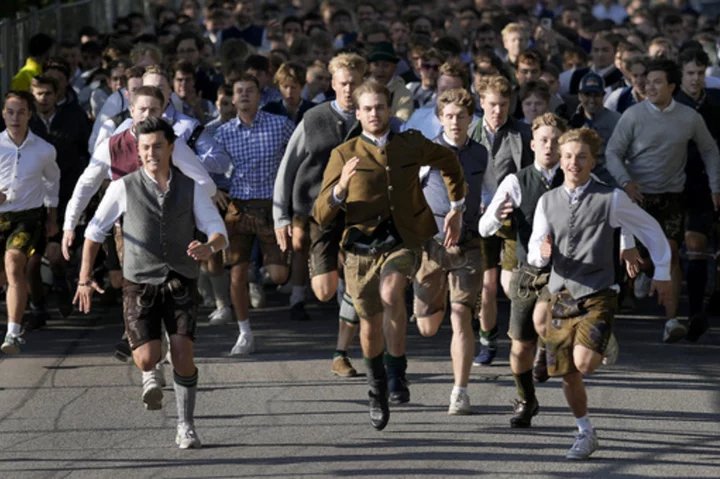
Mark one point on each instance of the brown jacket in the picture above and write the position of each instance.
(387, 183)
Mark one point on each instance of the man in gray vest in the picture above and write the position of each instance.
(574, 225)
(516, 197)
(161, 207)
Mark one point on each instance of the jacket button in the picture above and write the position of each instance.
(387, 168)
(379, 217)
(392, 208)
(390, 188)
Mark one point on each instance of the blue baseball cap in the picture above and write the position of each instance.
(592, 83)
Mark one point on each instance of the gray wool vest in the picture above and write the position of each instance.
(157, 228)
(325, 129)
(583, 254)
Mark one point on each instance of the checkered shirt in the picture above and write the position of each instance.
(256, 151)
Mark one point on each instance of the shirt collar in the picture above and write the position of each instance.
(579, 190)
(449, 142)
(381, 141)
(29, 139)
(170, 175)
(485, 126)
(169, 113)
(603, 71)
(545, 172)
(257, 119)
(669, 108)
(340, 110)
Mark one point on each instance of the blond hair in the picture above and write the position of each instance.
(513, 27)
(371, 86)
(494, 84)
(348, 61)
(459, 97)
(551, 120)
(290, 72)
(584, 135)
(142, 49)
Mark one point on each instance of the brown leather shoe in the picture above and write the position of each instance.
(523, 412)
(539, 369)
(342, 367)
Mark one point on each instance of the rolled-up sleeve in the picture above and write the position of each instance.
(186, 161)
(207, 217)
(211, 154)
(112, 206)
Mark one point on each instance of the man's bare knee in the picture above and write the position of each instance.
(278, 274)
(15, 264)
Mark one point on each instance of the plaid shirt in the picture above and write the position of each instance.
(256, 151)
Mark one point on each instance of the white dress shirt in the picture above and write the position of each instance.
(29, 174)
(623, 214)
(114, 205)
(99, 170)
(117, 102)
(509, 187)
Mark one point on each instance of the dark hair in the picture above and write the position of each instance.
(672, 72)
(531, 56)
(534, 87)
(248, 78)
(696, 55)
(340, 12)
(25, 96)
(40, 44)
(152, 91)
(93, 48)
(119, 63)
(258, 62)
(69, 44)
(134, 15)
(88, 31)
(291, 19)
(155, 125)
(450, 46)
(672, 19)
(134, 72)
(145, 38)
(59, 64)
(182, 36)
(45, 80)
(185, 67)
(225, 90)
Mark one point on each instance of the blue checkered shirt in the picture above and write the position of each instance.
(255, 151)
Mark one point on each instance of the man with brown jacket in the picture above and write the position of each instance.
(387, 219)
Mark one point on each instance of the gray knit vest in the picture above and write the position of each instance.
(583, 259)
(157, 228)
(325, 129)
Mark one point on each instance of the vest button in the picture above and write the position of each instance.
(390, 188)
(392, 208)
(387, 168)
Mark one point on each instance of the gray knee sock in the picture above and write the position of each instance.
(185, 392)
(347, 310)
(221, 289)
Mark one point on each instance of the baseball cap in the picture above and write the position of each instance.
(592, 83)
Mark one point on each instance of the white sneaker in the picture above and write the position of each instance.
(642, 285)
(674, 331)
(245, 345)
(186, 437)
(152, 391)
(257, 295)
(12, 343)
(611, 351)
(586, 443)
(221, 316)
(459, 404)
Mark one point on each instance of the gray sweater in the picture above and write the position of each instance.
(649, 147)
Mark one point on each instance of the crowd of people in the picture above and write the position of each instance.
(565, 152)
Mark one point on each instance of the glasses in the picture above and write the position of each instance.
(431, 66)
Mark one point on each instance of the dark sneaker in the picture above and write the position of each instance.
(298, 313)
(697, 327)
(122, 350)
(64, 299)
(379, 410)
(523, 412)
(486, 356)
(539, 369)
(399, 390)
(713, 306)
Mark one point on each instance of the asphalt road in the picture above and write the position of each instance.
(69, 409)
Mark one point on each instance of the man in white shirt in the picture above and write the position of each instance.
(574, 226)
(29, 190)
(160, 208)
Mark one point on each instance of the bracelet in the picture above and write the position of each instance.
(212, 248)
(89, 283)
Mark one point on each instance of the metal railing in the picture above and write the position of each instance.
(62, 21)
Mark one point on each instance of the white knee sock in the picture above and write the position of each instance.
(245, 327)
(583, 423)
(13, 329)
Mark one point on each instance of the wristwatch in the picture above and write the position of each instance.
(461, 208)
(212, 248)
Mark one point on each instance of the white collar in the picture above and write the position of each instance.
(548, 173)
(147, 175)
(382, 141)
(29, 138)
(668, 109)
(579, 190)
(452, 143)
